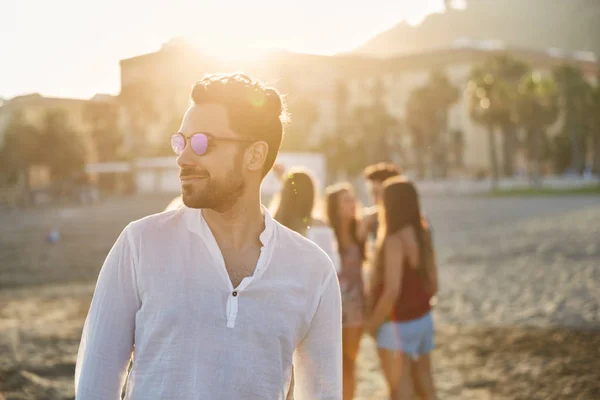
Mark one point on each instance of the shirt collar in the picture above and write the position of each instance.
(197, 224)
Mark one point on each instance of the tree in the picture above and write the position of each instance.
(427, 119)
(340, 145)
(594, 114)
(21, 149)
(107, 139)
(62, 149)
(420, 124)
(482, 110)
(493, 92)
(445, 96)
(575, 94)
(509, 72)
(538, 108)
(364, 134)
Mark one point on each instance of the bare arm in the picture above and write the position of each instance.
(366, 224)
(394, 254)
(107, 340)
(432, 285)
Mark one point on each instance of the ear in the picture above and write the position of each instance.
(256, 156)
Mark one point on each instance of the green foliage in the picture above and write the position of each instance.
(20, 147)
(107, 138)
(493, 94)
(577, 97)
(426, 118)
(60, 147)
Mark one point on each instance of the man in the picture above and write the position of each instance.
(217, 299)
(375, 175)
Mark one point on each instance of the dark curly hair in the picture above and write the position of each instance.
(254, 110)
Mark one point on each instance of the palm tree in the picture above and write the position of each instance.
(426, 117)
(509, 72)
(493, 89)
(575, 96)
(538, 108)
(443, 95)
(420, 124)
(594, 114)
(482, 108)
(365, 134)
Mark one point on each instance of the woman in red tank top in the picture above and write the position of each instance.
(403, 283)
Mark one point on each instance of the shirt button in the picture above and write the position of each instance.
(234, 293)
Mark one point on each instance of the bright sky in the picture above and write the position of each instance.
(72, 48)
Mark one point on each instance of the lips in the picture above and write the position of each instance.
(190, 178)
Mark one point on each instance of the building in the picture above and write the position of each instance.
(167, 75)
(34, 107)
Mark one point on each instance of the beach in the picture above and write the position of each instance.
(517, 317)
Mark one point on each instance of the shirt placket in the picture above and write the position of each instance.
(232, 309)
(233, 299)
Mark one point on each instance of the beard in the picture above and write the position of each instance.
(219, 195)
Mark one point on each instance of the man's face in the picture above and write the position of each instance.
(214, 180)
(376, 190)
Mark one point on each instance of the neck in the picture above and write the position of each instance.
(241, 225)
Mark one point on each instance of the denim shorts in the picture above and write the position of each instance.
(414, 338)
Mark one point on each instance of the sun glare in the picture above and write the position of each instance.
(226, 50)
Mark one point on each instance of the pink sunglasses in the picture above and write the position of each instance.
(199, 142)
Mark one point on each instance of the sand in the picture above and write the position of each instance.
(518, 316)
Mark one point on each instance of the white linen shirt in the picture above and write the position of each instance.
(164, 289)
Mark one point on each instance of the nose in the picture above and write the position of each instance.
(186, 158)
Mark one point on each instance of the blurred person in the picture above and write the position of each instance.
(374, 176)
(350, 237)
(217, 299)
(403, 284)
(295, 208)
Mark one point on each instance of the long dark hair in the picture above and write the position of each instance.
(333, 215)
(296, 201)
(401, 208)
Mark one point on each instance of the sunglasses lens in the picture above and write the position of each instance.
(177, 143)
(199, 143)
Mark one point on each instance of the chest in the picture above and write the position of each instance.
(240, 264)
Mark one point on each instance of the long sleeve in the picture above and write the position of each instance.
(318, 358)
(324, 237)
(108, 334)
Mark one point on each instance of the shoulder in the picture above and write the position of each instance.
(156, 224)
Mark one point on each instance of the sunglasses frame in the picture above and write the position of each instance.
(209, 137)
